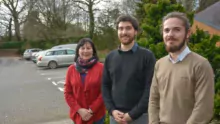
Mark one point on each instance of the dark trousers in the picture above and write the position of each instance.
(101, 121)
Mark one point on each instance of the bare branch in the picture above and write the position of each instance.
(31, 4)
(11, 2)
(82, 8)
(82, 2)
(4, 12)
(3, 18)
(7, 5)
(23, 20)
(4, 24)
(16, 5)
(96, 9)
(96, 2)
(23, 8)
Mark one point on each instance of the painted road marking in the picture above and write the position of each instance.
(55, 77)
(51, 73)
(54, 83)
(60, 72)
(61, 82)
(61, 89)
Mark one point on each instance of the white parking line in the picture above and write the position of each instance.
(52, 73)
(55, 77)
(54, 83)
(61, 82)
(61, 89)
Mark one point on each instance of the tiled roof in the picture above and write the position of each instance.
(210, 16)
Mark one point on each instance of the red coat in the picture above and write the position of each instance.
(84, 95)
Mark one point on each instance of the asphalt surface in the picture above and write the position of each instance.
(29, 95)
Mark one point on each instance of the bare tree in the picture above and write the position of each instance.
(89, 7)
(52, 19)
(55, 15)
(106, 33)
(5, 22)
(108, 15)
(128, 6)
(4, 25)
(15, 7)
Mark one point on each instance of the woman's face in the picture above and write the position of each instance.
(86, 51)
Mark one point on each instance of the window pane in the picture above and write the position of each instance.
(60, 52)
(49, 53)
(70, 52)
(35, 50)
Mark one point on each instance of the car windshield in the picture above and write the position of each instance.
(35, 50)
(26, 51)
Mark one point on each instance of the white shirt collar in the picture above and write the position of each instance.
(181, 56)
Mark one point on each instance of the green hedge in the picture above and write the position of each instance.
(11, 45)
(43, 44)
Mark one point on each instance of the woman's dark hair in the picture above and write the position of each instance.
(82, 42)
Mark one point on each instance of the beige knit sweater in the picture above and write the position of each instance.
(182, 93)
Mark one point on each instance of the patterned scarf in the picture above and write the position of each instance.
(82, 66)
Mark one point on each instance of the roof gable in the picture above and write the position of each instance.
(210, 16)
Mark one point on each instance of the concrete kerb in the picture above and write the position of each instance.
(66, 121)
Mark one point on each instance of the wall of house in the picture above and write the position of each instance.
(218, 44)
(210, 30)
(207, 28)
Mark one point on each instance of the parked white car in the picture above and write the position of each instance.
(53, 58)
(35, 57)
(29, 53)
(70, 46)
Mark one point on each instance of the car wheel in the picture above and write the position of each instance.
(52, 65)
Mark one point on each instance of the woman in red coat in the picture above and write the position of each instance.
(83, 86)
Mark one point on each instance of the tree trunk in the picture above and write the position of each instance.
(10, 30)
(17, 29)
(17, 26)
(91, 22)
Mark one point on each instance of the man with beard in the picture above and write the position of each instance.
(127, 76)
(182, 90)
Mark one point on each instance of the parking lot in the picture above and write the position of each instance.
(31, 95)
(55, 76)
(57, 79)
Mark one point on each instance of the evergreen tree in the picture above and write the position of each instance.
(205, 45)
(152, 13)
(200, 42)
(140, 8)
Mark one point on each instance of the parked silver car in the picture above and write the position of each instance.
(29, 53)
(70, 46)
(53, 58)
(35, 57)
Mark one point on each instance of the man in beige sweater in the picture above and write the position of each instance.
(182, 90)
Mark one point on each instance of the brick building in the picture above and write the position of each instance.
(208, 20)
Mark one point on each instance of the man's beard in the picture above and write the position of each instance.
(174, 49)
(130, 40)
